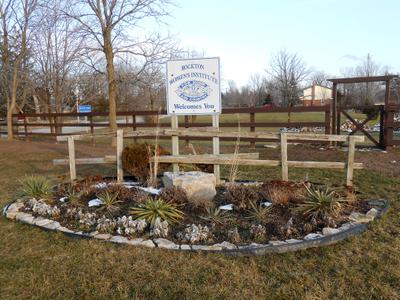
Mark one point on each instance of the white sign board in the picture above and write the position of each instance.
(193, 87)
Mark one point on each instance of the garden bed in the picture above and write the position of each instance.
(242, 218)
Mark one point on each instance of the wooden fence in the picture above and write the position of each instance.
(391, 125)
(52, 124)
(25, 124)
(220, 159)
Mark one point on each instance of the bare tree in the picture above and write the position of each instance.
(258, 87)
(57, 47)
(107, 24)
(16, 32)
(288, 71)
(320, 78)
(363, 93)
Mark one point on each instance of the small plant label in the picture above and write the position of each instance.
(193, 87)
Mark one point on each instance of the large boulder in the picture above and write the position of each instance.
(197, 185)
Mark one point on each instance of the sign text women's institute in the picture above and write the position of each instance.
(193, 86)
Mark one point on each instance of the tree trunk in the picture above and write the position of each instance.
(112, 85)
(13, 102)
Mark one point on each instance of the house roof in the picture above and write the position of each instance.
(363, 79)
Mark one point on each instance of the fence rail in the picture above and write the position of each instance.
(250, 159)
(57, 124)
(52, 124)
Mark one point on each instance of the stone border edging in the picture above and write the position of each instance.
(11, 211)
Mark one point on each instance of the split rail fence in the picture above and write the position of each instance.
(52, 124)
(250, 159)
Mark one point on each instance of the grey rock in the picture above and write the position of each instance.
(148, 243)
(292, 241)
(277, 243)
(52, 225)
(312, 236)
(329, 231)
(103, 236)
(360, 218)
(226, 245)
(119, 239)
(14, 207)
(206, 248)
(197, 185)
(185, 247)
(135, 242)
(377, 202)
(166, 244)
(11, 214)
(253, 246)
(346, 226)
(65, 229)
(40, 221)
(373, 212)
(24, 217)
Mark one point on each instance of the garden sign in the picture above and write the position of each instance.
(193, 87)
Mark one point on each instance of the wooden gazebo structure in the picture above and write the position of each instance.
(386, 111)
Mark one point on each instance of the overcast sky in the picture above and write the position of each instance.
(329, 35)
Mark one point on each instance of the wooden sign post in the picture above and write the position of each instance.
(193, 88)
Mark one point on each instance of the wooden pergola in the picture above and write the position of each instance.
(385, 115)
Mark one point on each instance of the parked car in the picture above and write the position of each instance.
(376, 128)
(291, 130)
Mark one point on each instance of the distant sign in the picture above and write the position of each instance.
(193, 87)
(85, 108)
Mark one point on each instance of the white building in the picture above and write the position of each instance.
(316, 95)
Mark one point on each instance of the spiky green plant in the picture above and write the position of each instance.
(257, 212)
(38, 187)
(320, 203)
(215, 215)
(157, 208)
(110, 201)
(74, 197)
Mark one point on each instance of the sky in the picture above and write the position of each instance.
(330, 35)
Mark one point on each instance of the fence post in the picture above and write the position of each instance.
(350, 161)
(252, 128)
(389, 126)
(187, 126)
(25, 128)
(134, 126)
(327, 119)
(120, 148)
(382, 126)
(216, 150)
(175, 141)
(71, 155)
(284, 157)
(91, 123)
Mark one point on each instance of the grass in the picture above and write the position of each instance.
(46, 265)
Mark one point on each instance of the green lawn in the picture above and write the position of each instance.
(46, 265)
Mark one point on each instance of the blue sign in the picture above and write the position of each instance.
(193, 90)
(85, 109)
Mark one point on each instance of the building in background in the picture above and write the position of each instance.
(316, 95)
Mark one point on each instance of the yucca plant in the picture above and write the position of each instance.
(215, 215)
(73, 196)
(320, 203)
(110, 201)
(157, 208)
(37, 187)
(257, 212)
